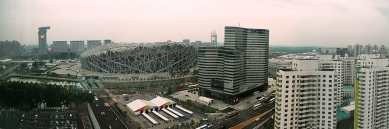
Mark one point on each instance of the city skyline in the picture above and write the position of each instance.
(293, 23)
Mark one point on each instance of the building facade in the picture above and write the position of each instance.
(357, 50)
(186, 41)
(306, 96)
(60, 46)
(328, 62)
(213, 39)
(42, 38)
(371, 97)
(93, 43)
(244, 65)
(9, 47)
(107, 41)
(77, 46)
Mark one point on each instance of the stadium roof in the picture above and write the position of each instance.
(120, 47)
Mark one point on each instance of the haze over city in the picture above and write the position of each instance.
(291, 22)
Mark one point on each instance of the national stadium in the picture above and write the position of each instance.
(140, 58)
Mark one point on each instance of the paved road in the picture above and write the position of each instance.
(262, 120)
(109, 119)
(245, 123)
(243, 116)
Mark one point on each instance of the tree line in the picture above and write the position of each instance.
(14, 94)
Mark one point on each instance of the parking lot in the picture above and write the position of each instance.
(15, 119)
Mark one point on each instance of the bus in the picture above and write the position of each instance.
(261, 99)
(256, 106)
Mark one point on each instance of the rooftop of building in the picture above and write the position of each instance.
(341, 114)
(347, 87)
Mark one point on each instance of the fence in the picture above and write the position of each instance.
(93, 118)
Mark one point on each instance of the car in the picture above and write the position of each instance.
(257, 119)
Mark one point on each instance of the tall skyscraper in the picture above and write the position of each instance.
(351, 51)
(357, 50)
(213, 39)
(371, 97)
(60, 46)
(237, 69)
(368, 49)
(42, 37)
(383, 51)
(93, 43)
(306, 96)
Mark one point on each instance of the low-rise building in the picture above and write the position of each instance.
(347, 91)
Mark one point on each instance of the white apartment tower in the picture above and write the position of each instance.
(371, 93)
(306, 96)
(213, 39)
(328, 62)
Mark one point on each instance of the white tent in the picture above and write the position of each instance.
(162, 102)
(139, 106)
(204, 100)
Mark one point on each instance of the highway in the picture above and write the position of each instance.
(245, 117)
(262, 120)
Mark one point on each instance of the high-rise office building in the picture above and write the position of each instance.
(383, 51)
(342, 52)
(237, 69)
(60, 46)
(77, 46)
(93, 43)
(186, 41)
(42, 37)
(351, 51)
(357, 50)
(306, 96)
(368, 49)
(213, 39)
(371, 97)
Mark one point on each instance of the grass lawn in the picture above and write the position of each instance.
(229, 109)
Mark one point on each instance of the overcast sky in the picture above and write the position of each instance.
(291, 22)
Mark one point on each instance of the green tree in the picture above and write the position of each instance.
(35, 64)
(139, 127)
(23, 65)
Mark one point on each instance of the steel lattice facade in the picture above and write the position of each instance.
(129, 58)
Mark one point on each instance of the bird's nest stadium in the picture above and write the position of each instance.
(144, 58)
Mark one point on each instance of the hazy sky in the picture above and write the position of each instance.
(291, 22)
